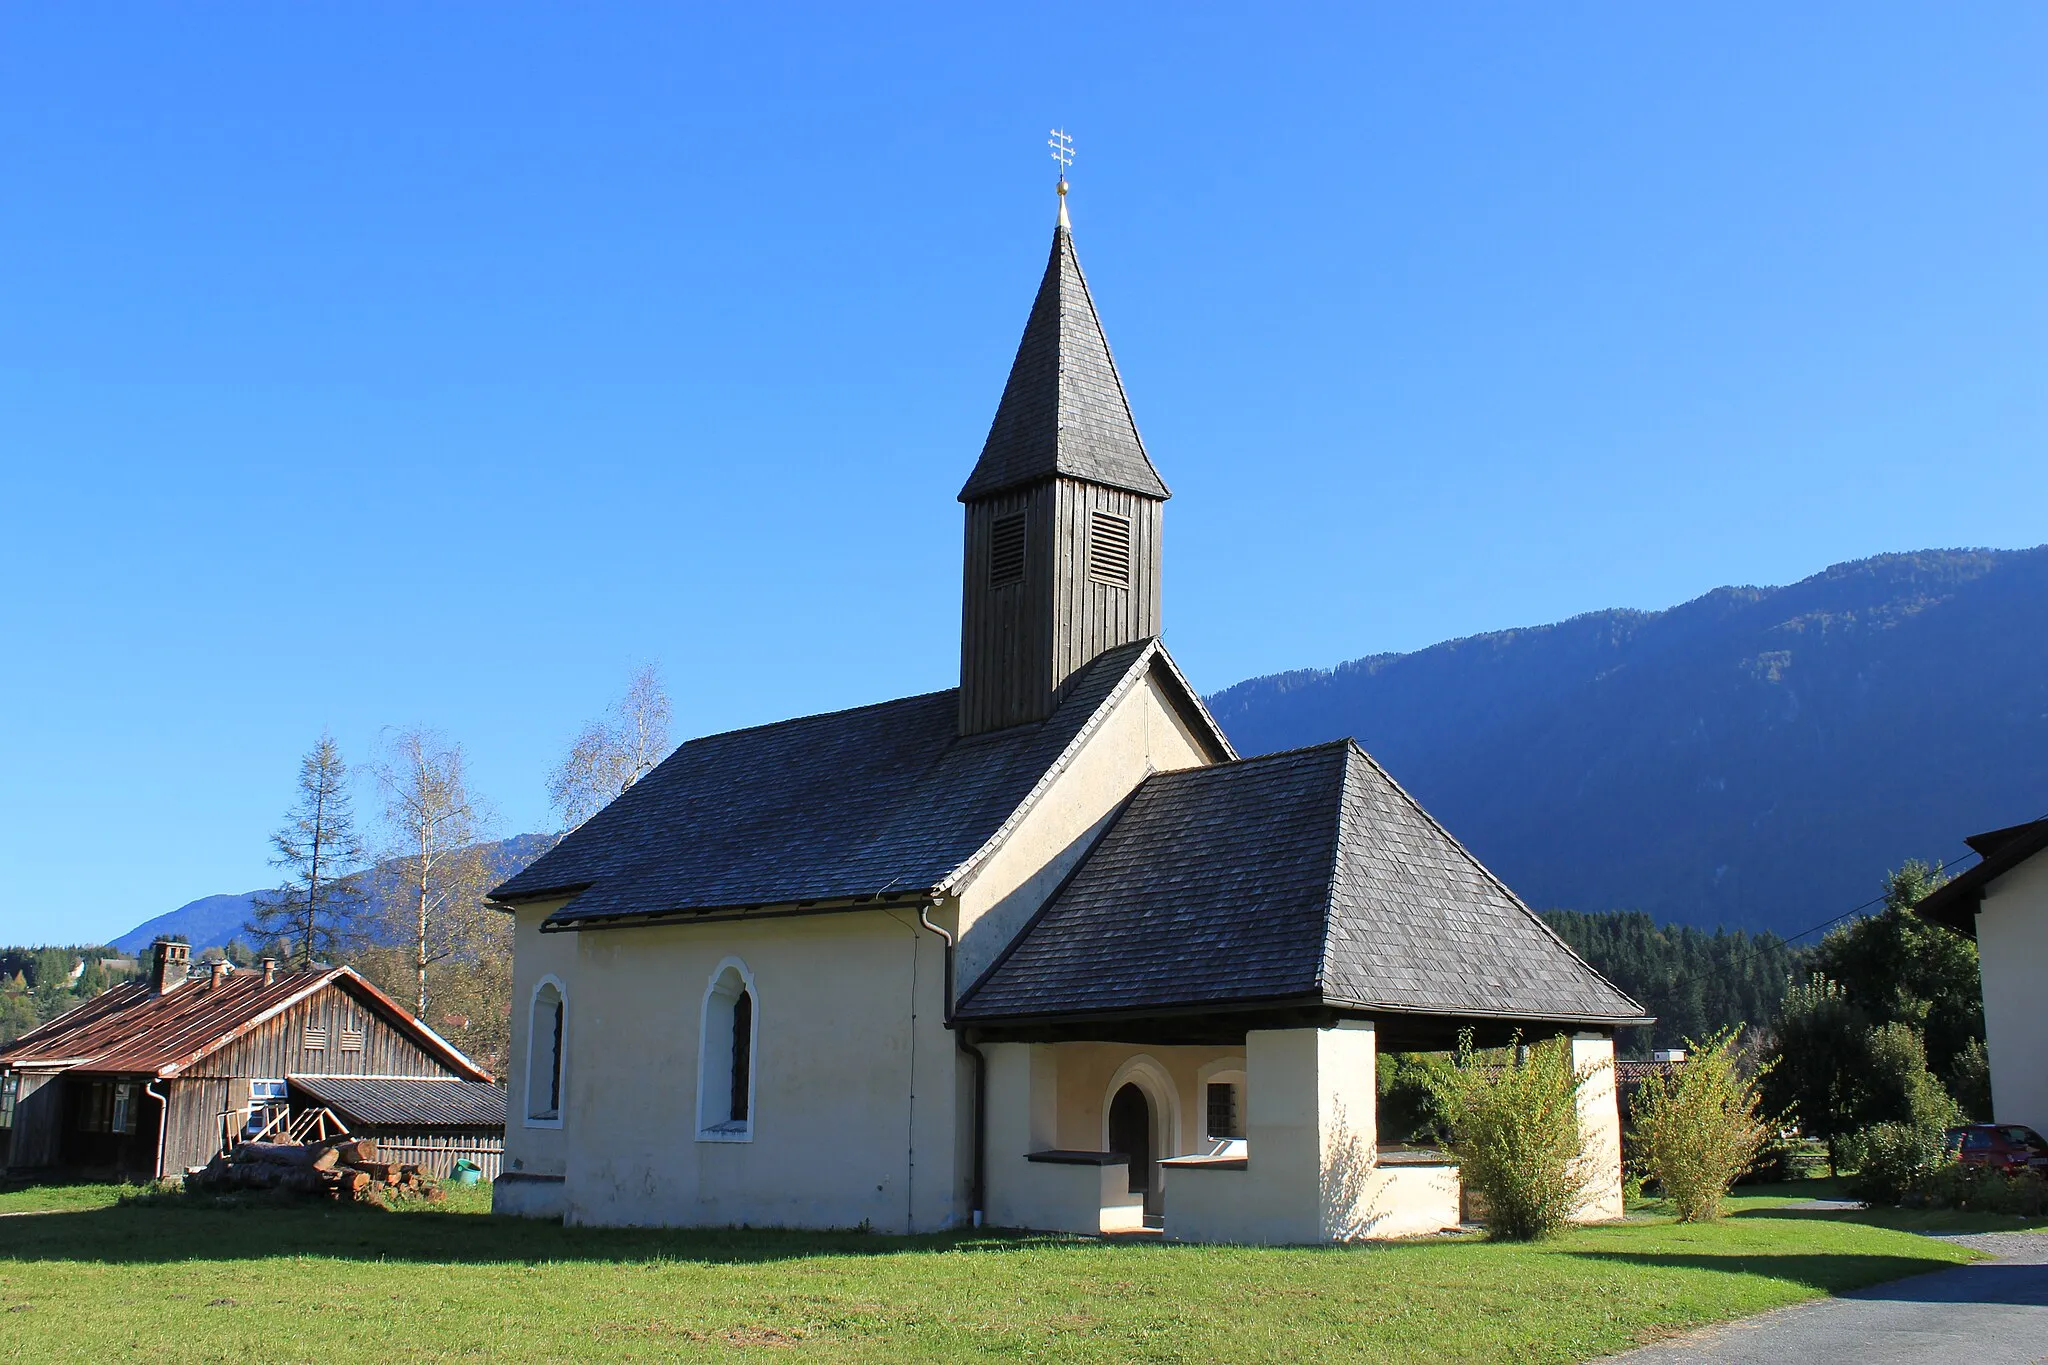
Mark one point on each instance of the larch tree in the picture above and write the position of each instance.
(315, 909)
(613, 753)
(437, 871)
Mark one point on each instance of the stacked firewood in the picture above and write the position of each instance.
(343, 1168)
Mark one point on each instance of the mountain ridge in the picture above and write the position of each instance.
(1755, 757)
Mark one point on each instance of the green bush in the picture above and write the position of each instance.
(1410, 1105)
(1979, 1189)
(1969, 1080)
(1514, 1120)
(1893, 1159)
(1697, 1127)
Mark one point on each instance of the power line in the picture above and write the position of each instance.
(1879, 900)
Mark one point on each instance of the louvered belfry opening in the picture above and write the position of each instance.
(1063, 516)
(1109, 549)
(1006, 550)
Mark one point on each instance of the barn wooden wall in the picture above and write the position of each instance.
(38, 1121)
(436, 1151)
(277, 1048)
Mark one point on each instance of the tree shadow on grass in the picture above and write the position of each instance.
(1827, 1271)
(173, 1229)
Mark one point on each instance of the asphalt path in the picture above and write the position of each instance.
(1991, 1313)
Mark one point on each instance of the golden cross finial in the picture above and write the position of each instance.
(1062, 154)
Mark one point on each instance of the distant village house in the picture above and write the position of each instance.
(158, 1074)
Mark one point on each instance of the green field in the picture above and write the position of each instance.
(99, 1276)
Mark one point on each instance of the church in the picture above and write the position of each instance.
(1041, 951)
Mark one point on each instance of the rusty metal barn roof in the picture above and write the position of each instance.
(407, 1101)
(131, 1029)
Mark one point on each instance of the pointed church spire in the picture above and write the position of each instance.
(1063, 514)
(1063, 410)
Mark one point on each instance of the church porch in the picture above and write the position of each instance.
(1271, 1137)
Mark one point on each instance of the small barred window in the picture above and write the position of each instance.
(1224, 1119)
(1109, 549)
(1006, 551)
(315, 1039)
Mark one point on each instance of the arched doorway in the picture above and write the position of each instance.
(1130, 1132)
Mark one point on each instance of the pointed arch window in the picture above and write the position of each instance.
(546, 1039)
(726, 1059)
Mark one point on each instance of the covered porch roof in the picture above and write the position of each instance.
(1282, 892)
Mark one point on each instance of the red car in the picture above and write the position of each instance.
(2007, 1146)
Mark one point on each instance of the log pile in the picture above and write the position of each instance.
(342, 1168)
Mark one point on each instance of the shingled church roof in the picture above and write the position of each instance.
(1307, 877)
(1063, 409)
(881, 801)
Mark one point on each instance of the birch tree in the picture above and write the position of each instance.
(437, 871)
(314, 910)
(613, 753)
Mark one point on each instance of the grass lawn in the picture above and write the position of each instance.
(100, 1277)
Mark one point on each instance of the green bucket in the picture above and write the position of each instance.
(466, 1172)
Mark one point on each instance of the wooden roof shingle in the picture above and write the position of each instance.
(884, 800)
(1063, 409)
(1307, 877)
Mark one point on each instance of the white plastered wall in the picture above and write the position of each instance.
(2012, 949)
(1140, 735)
(535, 1155)
(1055, 1096)
(1311, 1119)
(853, 1112)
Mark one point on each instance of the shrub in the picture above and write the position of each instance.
(1901, 1088)
(1698, 1128)
(1969, 1080)
(1514, 1120)
(1979, 1189)
(1894, 1158)
(1411, 1108)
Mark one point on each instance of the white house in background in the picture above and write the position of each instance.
(1041, 949)
(2002, 902)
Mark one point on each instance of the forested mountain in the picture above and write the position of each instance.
(1756, 758)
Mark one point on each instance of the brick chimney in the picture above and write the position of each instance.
(270, 971)
(217, 973)
(169, 964)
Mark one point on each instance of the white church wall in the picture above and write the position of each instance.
(535, 1154)
(1142, 734)
(832, 1139)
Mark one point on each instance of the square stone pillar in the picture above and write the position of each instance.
(1600, 1123)
(1311, 1129)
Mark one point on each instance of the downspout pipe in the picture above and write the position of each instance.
(977, 1200)
(163, 1123)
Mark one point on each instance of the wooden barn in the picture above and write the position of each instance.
(159, 1074)
(429, 1122)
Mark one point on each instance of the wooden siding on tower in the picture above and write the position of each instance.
(1089, 616)
(1021, 643)
(1005, 634)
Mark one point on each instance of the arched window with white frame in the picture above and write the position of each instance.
(546, 1042)
(726, 1055)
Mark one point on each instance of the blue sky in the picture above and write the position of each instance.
(373, 365)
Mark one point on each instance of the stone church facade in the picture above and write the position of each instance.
(1042, 950)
